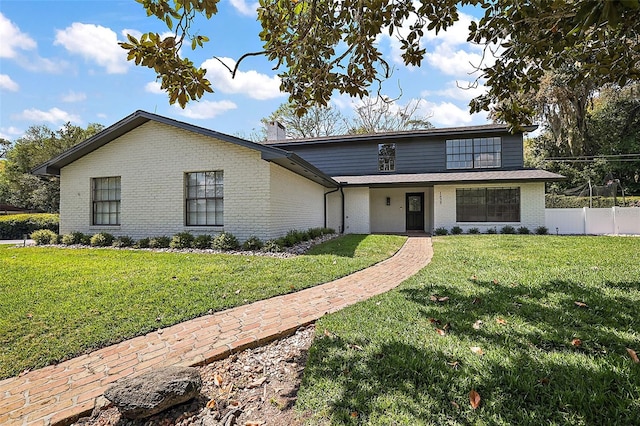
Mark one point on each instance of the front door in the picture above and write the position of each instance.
(415, 211)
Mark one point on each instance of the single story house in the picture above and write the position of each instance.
(149, 175)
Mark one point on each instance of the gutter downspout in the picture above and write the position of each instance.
(342, 194)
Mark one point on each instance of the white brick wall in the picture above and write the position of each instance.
(296, 202)
(357, 218)
(393, 218)
(151, 161)
(531, 206)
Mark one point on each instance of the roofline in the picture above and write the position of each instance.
(444, 131)
(269, 153)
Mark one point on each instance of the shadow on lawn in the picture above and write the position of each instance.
(539, 378)
(344, 246)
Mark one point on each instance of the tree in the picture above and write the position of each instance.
(380, 114)
(336, 43)
(4, 147)
(37, 145)
(318, 121)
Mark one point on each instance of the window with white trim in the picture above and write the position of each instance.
(105, 201)
(204, 198)
(488, 204)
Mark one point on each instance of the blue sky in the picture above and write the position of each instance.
(60, 62)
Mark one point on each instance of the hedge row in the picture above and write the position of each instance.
(16, 226)
(553, 201)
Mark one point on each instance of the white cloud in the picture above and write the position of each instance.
(154, 87)
(54, 115)
(206, 109)
(95, 43)
(447, 114)
(10, 133)
(6, 83)
(250, 83)
(12, 39)
(450, 61)
(248, 9)
(74, 97)
(461, 90)
(137, 34)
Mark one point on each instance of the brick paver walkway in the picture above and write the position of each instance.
(58, 394)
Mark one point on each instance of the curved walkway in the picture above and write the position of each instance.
(59, 394)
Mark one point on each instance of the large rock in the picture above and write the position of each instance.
(155, 391)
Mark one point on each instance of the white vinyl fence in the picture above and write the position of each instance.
(587, 221)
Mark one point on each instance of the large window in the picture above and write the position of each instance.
(476, 153)
(205, 198)
(105, 196)
(387, 157)
(488, 205)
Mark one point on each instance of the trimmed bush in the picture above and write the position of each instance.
(15, 226)
(183, 240)
(441, 231)
(253, 243)
(492, 231)
(225, 241)
(73, 238)
(142, 243)
(102, 239)
(523, 230)
(44, 236)
(456, 230)
(123, 241)
(508, 229)
(293, 237)
(315, 233)
(202, 242)
(542, 230)
(159, 242)
(271, 246)
(473, 231)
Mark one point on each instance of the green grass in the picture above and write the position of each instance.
(56, 303)
(385, 364)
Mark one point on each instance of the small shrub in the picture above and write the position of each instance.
(202, 242)
(492, 231)
(508, 229)
(456, 230)
(441, 231)
(85, 240)
(44, 236)
(142, 243)
(73, 238)
(473, 231)
(123, 241)
(315, 233)
(102, 239)
(159, 242)
(183, 240)
(523, 230)
(328, 231)
(225, 241)
(542, 230)
(271, 246)
(253, 243)
(293, 237)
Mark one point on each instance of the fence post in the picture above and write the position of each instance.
(615, 224)
(584, 221)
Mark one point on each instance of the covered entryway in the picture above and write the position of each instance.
(415, 211)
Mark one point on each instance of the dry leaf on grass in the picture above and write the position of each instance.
(633, 355)
(441, 332)
(474, 399)
(354, 414)
(477, 350)
(495, 281)
(580, 304)
(576, 342)
(434, 321)
(436, 298)
(455, 404)
(501, 321)
(477, 324)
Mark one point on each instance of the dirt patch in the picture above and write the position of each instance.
(254, 387)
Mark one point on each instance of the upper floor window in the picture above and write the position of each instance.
(476, 153)
(105, 200)
(205, 198)
(387, 157)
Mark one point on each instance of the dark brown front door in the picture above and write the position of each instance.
(415, 211)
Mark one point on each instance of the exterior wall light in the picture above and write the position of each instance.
(388, 201)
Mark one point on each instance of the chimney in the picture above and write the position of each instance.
(276, 131)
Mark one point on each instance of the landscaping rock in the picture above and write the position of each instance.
(151, 393)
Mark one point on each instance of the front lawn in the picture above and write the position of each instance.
(56, 303)
(537, 326)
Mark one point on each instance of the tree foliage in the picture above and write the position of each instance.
(336, 43)
(37, 145)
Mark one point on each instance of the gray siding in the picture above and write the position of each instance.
(419, 155)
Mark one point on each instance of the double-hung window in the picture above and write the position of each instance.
(476, 153)
(205, 198)
(387, 157)
(105, 201)
(488, 205)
